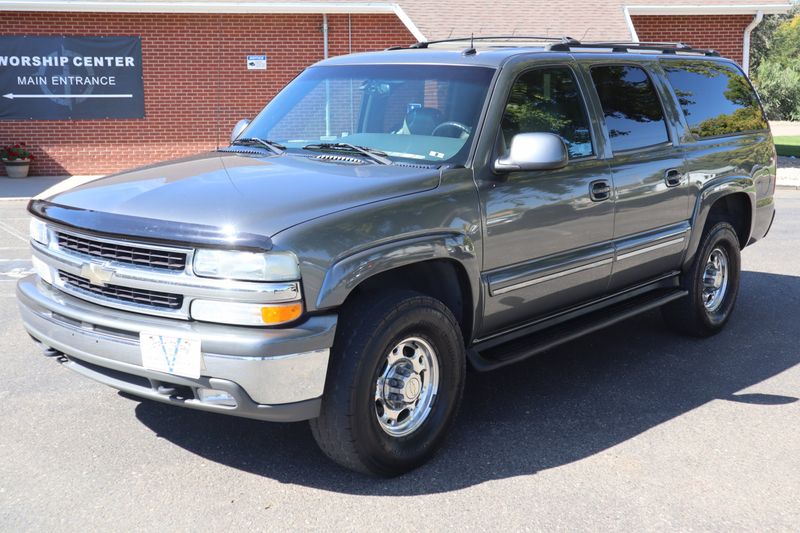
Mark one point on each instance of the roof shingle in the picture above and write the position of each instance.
(440, 19)
(582, 20)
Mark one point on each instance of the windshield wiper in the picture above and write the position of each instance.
(272, 146)
(375, 155)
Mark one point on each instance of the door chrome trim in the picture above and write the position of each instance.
(549, 277)
(674, 238)
(652, 248)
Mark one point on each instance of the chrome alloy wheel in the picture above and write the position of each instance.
(406, 388)
(715, 279)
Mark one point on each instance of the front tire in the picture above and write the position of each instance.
(712, 282)
(394, 384)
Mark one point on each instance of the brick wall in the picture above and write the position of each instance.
(723, 33)
(196, 83)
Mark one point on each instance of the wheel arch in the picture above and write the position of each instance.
(443, 266)
(737, 209)
(733, 200)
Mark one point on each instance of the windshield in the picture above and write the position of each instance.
(423, 113)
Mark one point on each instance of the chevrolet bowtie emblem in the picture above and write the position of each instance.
(96, 274)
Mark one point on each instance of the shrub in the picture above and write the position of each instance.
(779, 88)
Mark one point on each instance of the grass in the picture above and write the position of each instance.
(789, 145)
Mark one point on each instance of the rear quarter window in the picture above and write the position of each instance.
(716, 98)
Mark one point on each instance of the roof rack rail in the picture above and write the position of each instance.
(624, 47)
(471, 39)
(567, 44)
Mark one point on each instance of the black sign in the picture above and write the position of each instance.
(67, 78)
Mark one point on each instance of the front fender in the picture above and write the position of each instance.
(349, 272)
(709, 194)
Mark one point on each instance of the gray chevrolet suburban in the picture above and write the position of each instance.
(393, 218)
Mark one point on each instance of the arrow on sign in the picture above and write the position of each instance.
(11, 96)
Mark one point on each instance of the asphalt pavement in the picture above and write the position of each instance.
(630, 429)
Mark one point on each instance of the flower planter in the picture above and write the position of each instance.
(17, 168)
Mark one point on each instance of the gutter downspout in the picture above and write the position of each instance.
(324, 36)
(746, 48)
(327, 82)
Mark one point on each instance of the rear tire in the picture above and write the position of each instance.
(712, 282)
(394, 385)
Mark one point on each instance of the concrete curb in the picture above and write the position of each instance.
(788, 177)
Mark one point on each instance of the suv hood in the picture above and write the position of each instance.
(258, 195)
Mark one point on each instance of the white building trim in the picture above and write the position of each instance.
(409, 24)
(631, 27)
(210, 6)
(709, 9)
(195, 6)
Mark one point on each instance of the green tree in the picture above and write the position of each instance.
(761, 40)
(785, 44)
(776, 61)
(779, 87)
(777, 75)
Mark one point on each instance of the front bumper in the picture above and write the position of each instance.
(273, 374)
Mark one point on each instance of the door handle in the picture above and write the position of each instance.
(600, 190)
(673, 177)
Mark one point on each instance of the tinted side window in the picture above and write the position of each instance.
(716, 99)
(548, 100)
(631, 107)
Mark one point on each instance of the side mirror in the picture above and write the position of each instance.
(239, 128)
(534, 151)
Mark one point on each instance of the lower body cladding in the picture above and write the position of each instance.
(268, 374)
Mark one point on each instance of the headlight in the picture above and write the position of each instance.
(248, 266)
(38, 231)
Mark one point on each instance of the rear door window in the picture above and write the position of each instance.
(633, 113)
(716, 98)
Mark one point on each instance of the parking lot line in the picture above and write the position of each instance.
(13, 232)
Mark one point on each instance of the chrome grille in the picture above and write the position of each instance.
(161, 300)
(121, 253)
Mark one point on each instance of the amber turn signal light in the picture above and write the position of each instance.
(279, 314)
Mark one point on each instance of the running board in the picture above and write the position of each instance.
(522, 348)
